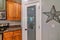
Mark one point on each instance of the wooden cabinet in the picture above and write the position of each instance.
(8, 36)
(17, 32)
(13, 35)
(17, 35)
(13, 11)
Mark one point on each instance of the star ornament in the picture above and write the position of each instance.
(53, 15)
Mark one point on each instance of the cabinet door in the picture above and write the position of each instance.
(18, 11)
(8, 36)
(13, 11)
(13, 35)
(10, 10)
(17, 37)
(18, 32)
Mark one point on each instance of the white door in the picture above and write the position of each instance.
(31, 21)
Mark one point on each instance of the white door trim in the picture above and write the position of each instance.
(24, 21)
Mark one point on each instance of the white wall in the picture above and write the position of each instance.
(50, 30)
(47, 4)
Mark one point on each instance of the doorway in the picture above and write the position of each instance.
(30, 21)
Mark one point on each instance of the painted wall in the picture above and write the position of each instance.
(50, 30)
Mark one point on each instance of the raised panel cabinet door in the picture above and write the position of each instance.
(10, 10)
(18, 37)
(7, 35)
(18, 32)
(13, 11)
(8, 38)
(17, 7)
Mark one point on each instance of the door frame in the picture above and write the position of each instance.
(24, 21)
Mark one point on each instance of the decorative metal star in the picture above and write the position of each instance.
(53, 15)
